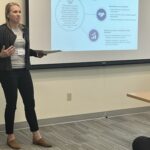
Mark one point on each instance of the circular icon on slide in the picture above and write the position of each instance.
(69, 14)
(101, 14)
(93, 35)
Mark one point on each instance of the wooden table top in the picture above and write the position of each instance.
(144, 96)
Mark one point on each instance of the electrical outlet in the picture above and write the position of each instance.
(69, 96)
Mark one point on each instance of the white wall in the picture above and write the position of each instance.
(94, 89)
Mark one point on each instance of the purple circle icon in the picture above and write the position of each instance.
(101, 14)
(93, 35)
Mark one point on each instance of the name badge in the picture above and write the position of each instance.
(21, 51)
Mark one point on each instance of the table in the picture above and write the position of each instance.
(144, 96)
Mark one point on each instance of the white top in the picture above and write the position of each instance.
(18, 58)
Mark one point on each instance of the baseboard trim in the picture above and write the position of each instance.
(81, 117)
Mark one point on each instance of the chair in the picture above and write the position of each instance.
(141, 143)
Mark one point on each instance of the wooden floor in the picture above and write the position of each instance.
(114, 133)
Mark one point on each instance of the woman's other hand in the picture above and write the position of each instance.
(40, 53)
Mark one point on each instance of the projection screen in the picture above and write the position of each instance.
(89, 32)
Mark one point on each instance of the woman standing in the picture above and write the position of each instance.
(14, 74)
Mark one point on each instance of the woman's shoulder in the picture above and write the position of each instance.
(23, 27)
(3, 26)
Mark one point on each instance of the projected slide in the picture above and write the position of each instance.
(82, 25)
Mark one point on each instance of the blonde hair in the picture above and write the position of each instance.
(7, 11)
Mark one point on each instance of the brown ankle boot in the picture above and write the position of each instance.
(41, 142)
(13, 144)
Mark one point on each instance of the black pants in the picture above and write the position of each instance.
(12, 81)
(141, 143)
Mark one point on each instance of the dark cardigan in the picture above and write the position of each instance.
(7, 38)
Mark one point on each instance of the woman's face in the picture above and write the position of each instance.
(14, 14)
